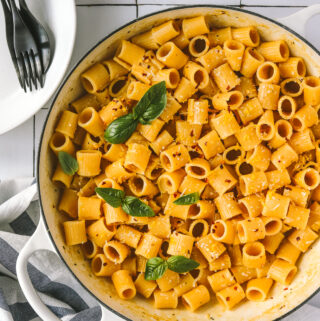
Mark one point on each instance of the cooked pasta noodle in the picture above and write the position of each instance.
(228, 167)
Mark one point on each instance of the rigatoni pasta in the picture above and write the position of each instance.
(228, 170)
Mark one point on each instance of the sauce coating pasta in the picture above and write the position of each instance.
(238, 136)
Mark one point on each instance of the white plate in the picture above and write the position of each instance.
(59, 19)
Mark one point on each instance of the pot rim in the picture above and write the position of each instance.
(68, 76)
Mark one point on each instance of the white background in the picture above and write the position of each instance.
(97, 18)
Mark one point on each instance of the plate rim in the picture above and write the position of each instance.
(60, 78)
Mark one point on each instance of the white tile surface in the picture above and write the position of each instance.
(146, 9)
(96, 22)
(16, 151)
(40, 117)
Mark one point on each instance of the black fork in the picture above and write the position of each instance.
(26, 51)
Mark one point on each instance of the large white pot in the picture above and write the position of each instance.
(49, 234)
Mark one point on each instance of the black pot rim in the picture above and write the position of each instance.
(66, 79)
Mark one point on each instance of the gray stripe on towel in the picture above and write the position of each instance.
(8, 258)
(23, 225)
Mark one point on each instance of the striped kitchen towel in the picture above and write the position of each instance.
(19, 214)
(64, 296)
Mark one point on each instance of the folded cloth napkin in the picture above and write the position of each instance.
(19, 215)
(58, 289)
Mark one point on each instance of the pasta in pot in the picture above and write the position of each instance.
(225, 176)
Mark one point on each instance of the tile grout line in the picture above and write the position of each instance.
(34, 146)
(137, 9)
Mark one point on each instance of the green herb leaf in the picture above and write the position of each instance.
(121, 129)
(134, 207)
(151, 104)
(187, 199)
(144, 122)
(112, 196)
(155, 268)
(181, 264)
(68, 163)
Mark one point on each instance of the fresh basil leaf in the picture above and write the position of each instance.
(134, 207)
(144, 122)
(181, 264)
(68, 163)
(187, 199)
(112, 196)
(155, 268)
(121, 129)
(151, 104)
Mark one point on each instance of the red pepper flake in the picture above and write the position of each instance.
(228, 87)
(285, 289)
(256, 230)
(144, 74)
(298, 238)
(227, 298)
(206, 180)
(175, 194)
(227, 180)
(192, 133)
(235, 288)
(104, 264)
(221, 166)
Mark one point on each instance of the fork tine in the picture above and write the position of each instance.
(32, 66)
(21, 72)
(29, 69)
(25, 70)
(38, 67)
(21, 81)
